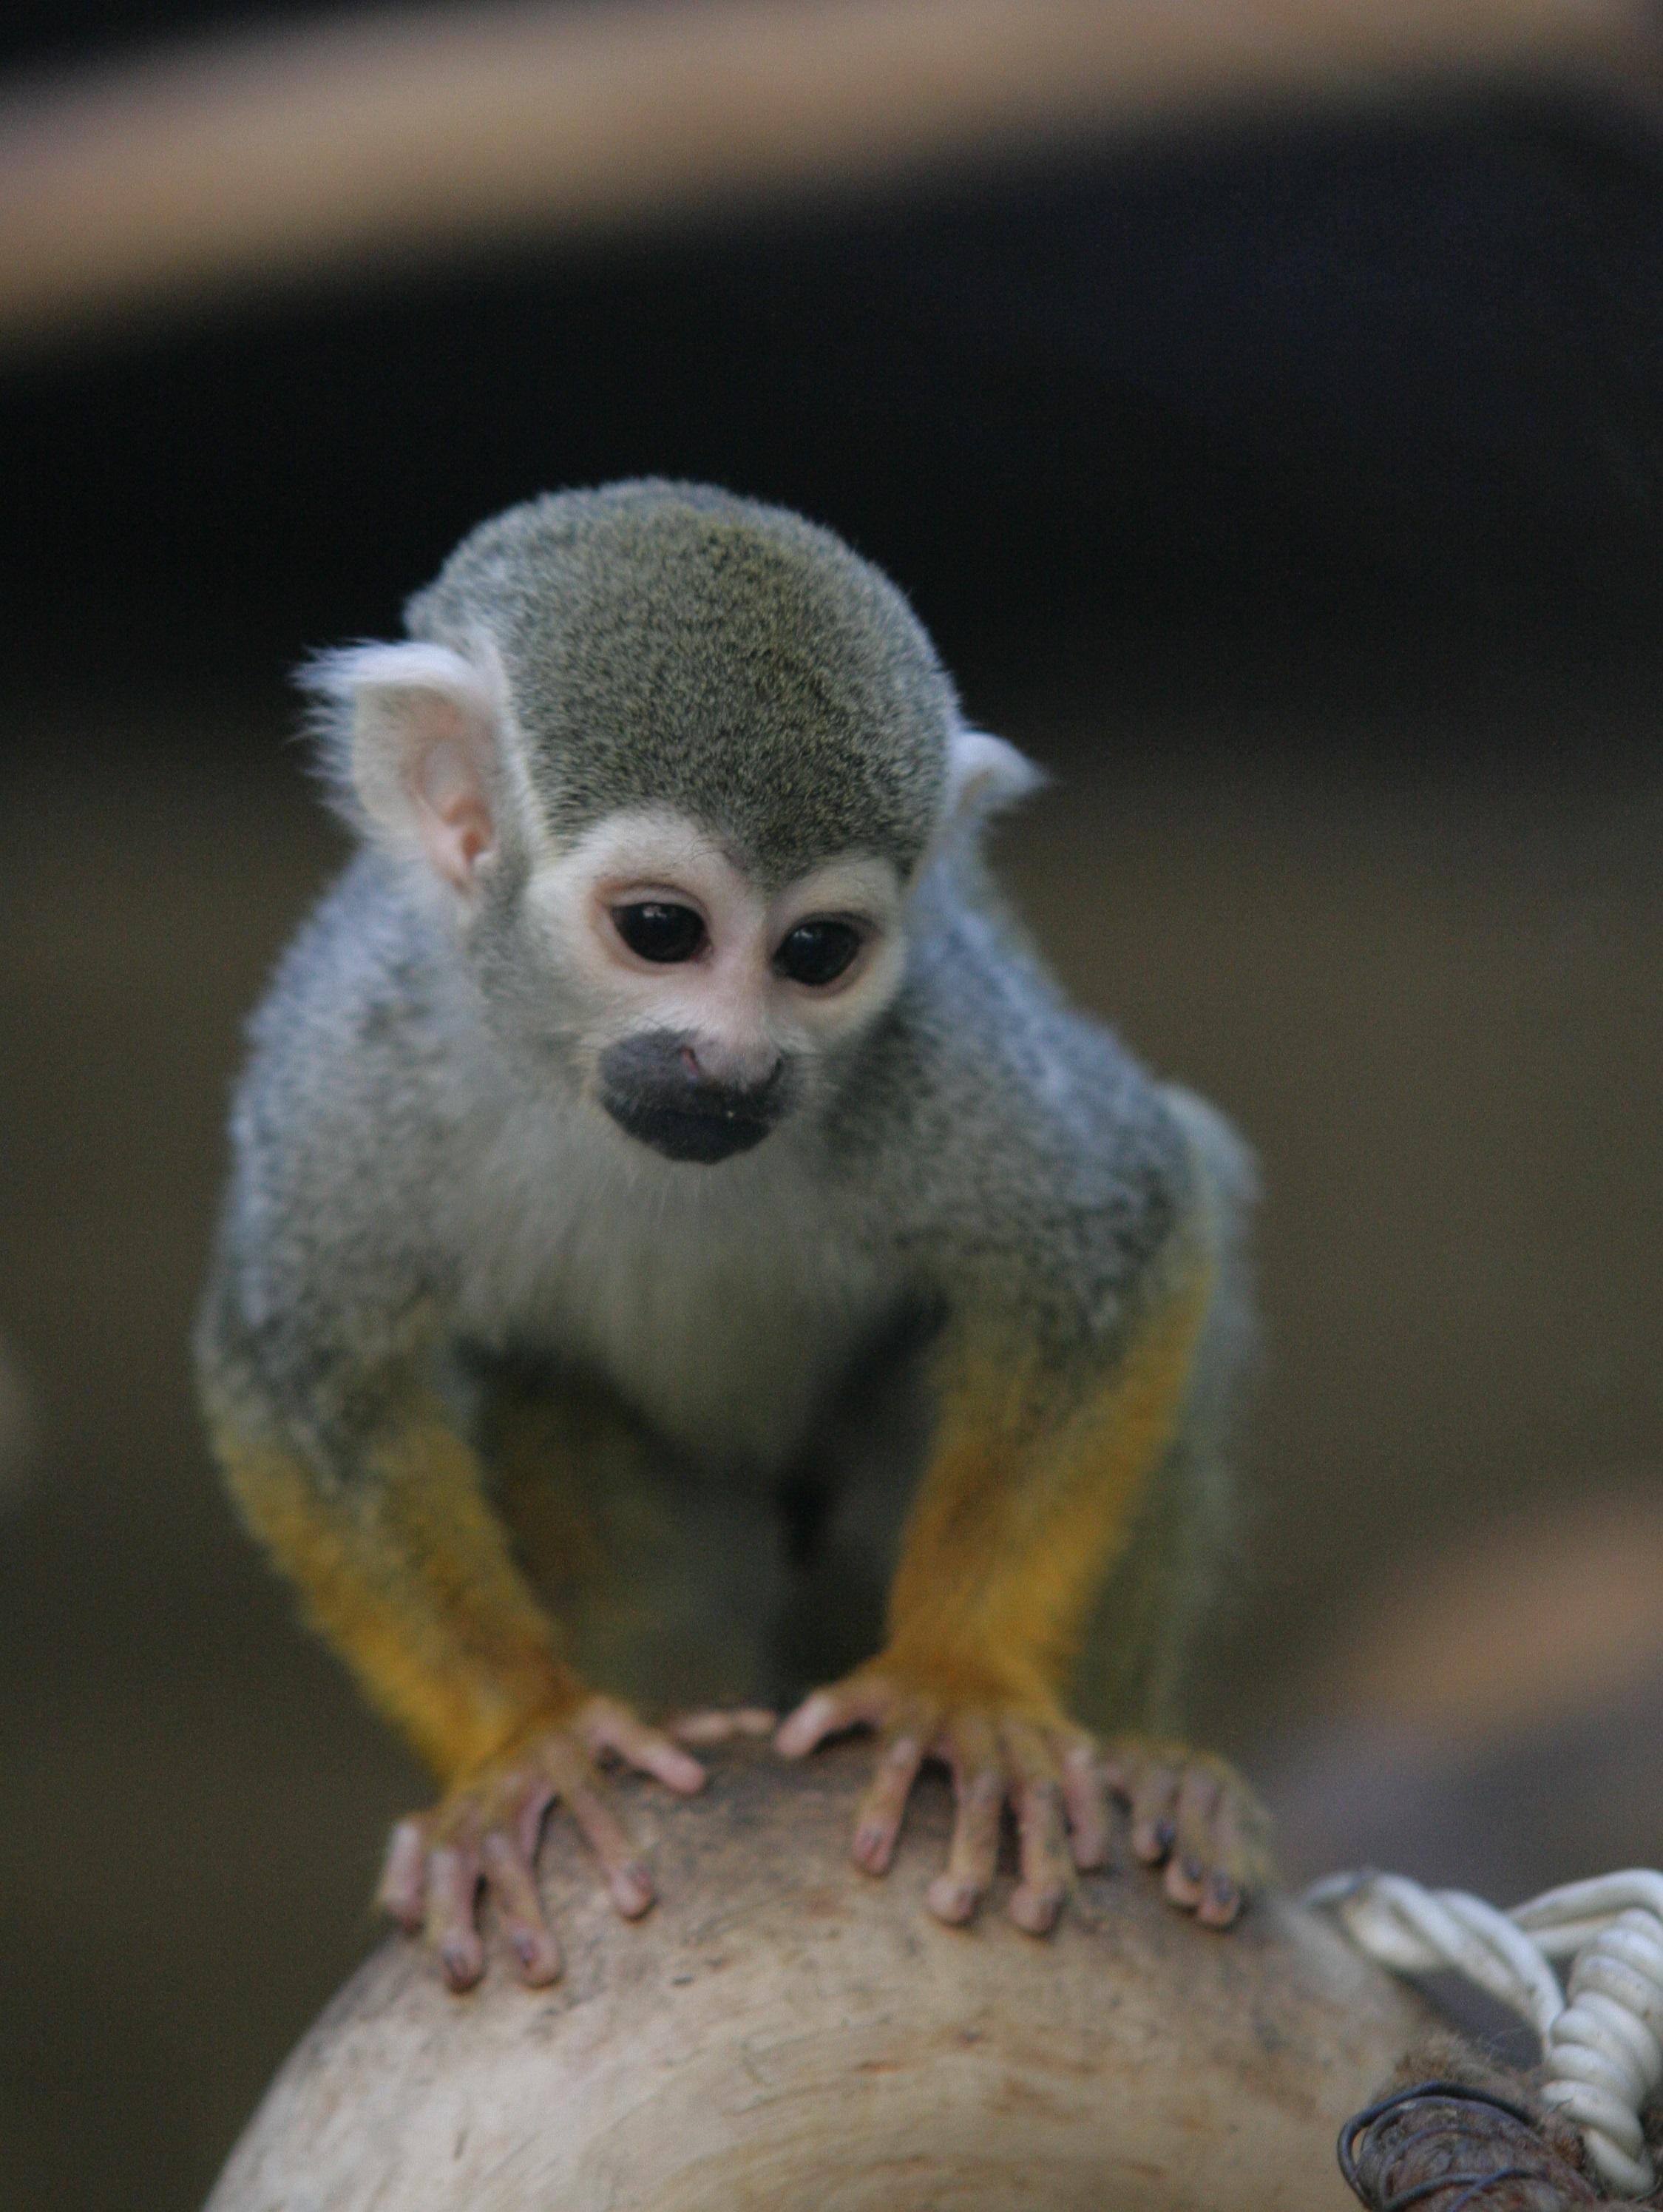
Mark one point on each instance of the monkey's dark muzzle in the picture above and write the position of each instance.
(645, 1087)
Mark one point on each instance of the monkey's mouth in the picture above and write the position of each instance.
(655, 1089)
(722, 1124)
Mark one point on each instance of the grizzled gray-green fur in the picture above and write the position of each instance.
(414, 1158)
(671, 643)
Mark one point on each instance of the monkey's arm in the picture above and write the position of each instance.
(404, 1567)
(1039, 1466)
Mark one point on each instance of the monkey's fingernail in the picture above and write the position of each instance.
(1190, 1866)
(1035, 1911)
(539, 1959)
(632, 1890)
(951, 1901)
(1223, 1896)
(870, 1849)
(1165, 1835)
(460, 1970)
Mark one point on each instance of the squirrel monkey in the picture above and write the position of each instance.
(668, 1195)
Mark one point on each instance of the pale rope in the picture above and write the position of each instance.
(1602, 2038)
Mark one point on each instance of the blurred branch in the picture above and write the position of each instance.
(399, 134)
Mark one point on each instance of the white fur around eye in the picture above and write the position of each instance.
(731, 992)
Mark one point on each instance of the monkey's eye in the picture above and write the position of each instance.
(659, 932)
(816, 952)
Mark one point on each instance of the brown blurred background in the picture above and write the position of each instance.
(1278, 461)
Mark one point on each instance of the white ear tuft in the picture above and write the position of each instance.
(411, 738)
(985, 773)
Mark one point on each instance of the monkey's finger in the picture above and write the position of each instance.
(1196, 1841)
(402, 1890)
(1038, 1898)
(1154, 1812)
(1122, 1763)
(721, 1723)
(979, 1789)
(615, 1729)
(883, 1803)
(627, 1881)
(512, 1886)
(1241, 1859)
(1222, 1900)
(451, 1924)
(1041, 1832)
(829, 1712)
(1085, 1795)
(525, 1825)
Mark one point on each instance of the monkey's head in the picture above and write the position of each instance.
(673, 763)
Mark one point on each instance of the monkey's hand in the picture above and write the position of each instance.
(1002, 1747)
(1194, 1815)
(481, 1838)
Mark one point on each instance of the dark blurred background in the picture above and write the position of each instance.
(1286, 477)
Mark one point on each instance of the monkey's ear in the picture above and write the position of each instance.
(985, 773)
(410, 741)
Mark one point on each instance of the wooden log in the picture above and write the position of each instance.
(784, 2031)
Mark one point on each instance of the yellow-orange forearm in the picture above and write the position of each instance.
(407, 1573)
(1028, 1498)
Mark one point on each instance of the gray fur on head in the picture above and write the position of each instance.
(671, 644)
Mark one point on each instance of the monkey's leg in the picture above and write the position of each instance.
(405, 1569)
(1188, 1811)
(1034, 1485)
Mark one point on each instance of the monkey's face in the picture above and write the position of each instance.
(709, 1005)
(672, 764)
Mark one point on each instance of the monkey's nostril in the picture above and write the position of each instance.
(690, 1061)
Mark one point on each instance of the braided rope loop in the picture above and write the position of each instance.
(1602, 2037)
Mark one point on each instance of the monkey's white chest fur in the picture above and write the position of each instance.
(723, 1303)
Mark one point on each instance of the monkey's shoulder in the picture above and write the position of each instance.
(345, 1113)
(365, 970)
(1021, 1151)
(359, 1041)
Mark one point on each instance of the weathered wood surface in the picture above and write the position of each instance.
(783, 2031)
